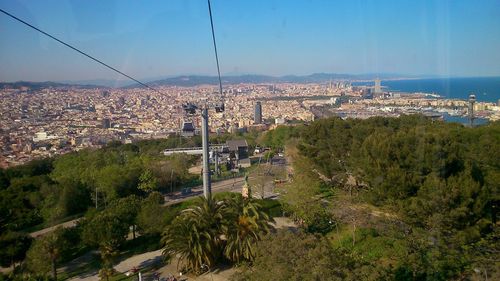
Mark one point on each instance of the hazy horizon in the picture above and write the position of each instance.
(125, 82)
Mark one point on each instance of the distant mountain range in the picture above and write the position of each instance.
(111, 83)
(194, 80)
(43, 85)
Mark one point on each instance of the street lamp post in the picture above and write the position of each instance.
(171, 181)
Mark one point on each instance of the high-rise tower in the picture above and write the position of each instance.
(377, 88)
(106, 123)
(257, 119)
(472, 100)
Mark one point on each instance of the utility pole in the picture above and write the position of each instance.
(171, 180)
(207, 188)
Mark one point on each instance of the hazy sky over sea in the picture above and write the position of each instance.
(161, 38)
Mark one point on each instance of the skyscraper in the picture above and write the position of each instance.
(106, 123)
(121, 101)
(378, 88)
(257, 119)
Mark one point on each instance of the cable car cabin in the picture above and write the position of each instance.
(219, 107)
(189, 108)
(187, 129)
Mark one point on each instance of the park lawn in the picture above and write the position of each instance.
(368, 244)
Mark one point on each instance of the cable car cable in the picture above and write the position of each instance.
(215, 49)
(79, 51)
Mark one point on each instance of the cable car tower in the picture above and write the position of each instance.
(190, 109)
(470, 110)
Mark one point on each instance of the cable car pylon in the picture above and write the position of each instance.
(205, 133)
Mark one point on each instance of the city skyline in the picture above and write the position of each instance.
(149, 39)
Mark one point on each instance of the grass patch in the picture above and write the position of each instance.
(225, 195)
(123, 277)
(368, 244)
(272, 207)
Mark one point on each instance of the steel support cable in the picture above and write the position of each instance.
(215, 48)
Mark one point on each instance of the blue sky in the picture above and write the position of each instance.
(149, 39)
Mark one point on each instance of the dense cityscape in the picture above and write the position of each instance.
(51, 121)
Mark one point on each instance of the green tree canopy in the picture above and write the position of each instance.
(45, 252)
(151, 218)
(286, 255)
(104, 229)
(14, 246)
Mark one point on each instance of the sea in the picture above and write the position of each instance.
(486, 89)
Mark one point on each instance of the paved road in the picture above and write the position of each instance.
(176, 197)
(41, 232)
(220, 186)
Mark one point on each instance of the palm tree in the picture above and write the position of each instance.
(200, 235)
(195, 235)
(106, 272)
(53, 244)
(246, 226)
(108, 252)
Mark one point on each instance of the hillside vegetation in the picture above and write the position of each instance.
(387, 199)
(379, 199)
